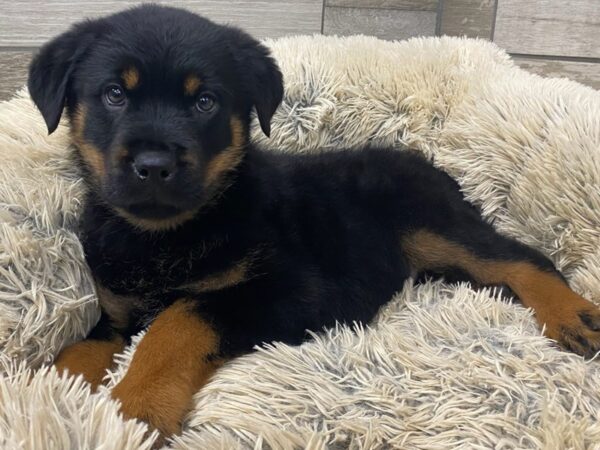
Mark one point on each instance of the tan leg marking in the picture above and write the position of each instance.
(169, 366)
(569, 318)
(90, 358)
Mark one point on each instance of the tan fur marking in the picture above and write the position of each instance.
(427, 250)
(92, 156)
(231, 277)
(130, 77)
(556, 306)
(90, 358)
(157, 225)
(227, 160)
(169, 366)
(116, 307)
(119, 155)
(215, 181)
(190, 158)
(191, 85)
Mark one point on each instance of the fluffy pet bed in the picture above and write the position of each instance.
(443, 366)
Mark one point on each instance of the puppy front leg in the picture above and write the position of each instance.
(92, 356)
(171, 363)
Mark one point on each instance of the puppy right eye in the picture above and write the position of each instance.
(114, 95)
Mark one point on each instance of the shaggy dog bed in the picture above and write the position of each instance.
(443, 366)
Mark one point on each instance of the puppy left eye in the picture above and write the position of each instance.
(114, 95)
(206, 102)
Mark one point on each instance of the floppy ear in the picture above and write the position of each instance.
(260, 77)
(51, 70)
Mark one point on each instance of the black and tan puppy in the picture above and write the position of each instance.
(218, 246)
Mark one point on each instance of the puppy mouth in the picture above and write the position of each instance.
(153, 210)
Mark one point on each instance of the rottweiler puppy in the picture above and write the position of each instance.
(216, 246)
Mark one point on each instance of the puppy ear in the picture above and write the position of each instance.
(51, 70)
(260, 77)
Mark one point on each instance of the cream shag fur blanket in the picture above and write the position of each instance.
(443, 366)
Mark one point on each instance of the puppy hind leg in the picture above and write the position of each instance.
(492, 259)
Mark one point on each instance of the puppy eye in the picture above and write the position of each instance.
(206, 102)
(114, 95)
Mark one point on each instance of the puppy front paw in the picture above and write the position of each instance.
(577, 330)
(90, 358)
(161, 407)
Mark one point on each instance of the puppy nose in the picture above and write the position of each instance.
(154, 166)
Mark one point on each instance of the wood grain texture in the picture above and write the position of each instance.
(471, 18)
(549, 27)
(410, 5)
(13, 66)
(386, 24)
(583, 72)
(30, 23)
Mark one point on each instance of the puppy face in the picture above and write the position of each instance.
(159, 101)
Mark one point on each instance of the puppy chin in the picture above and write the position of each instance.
(152, 215)
(152, 210)
(156, 218)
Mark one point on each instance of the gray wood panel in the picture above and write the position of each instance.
(30, 23)
(383, 23)
(549, 27)
(410, 5)
(13, 66)
(471, 18)
(583, 72)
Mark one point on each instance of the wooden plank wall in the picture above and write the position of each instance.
(550, 37)
(25, 24)
(386, 19)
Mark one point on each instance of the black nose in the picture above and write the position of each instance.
(154, 166)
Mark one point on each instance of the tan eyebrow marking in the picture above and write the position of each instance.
(131, 77)
(191, 85)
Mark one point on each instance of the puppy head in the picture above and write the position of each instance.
(159, 101)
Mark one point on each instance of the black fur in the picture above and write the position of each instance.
(51, 72)
(323, 232)
(327, 228)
